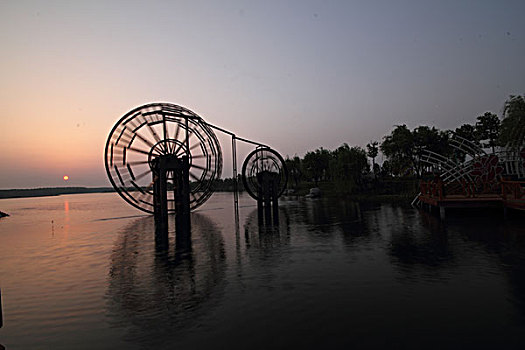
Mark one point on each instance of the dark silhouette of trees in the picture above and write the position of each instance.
(316, 164)
(294, 169)
(468, 132)
(513, 124)
(372, 150)
(404, 148)
(398, 148)
(345, 169)
(348, 165)
(487, 129)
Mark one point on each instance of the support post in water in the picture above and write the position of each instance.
(181, 192)
(268, 202)
(235, 183)
(1, 314)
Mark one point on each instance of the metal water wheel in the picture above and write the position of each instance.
(154, 130)
(263, 159)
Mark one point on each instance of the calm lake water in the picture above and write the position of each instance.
(82, 272)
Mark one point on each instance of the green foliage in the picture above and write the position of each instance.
(347, 166)
(316, 164)
(468, 132)
(487, 129)
(295, 171)
(398, 147)
(403, 148)
(513, 125)
(372, 150)
(343, 168)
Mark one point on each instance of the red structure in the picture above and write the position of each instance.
(463, 194)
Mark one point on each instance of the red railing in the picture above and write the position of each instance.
(463, 188)
(513, 190)
(432, 188)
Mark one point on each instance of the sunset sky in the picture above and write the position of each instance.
(295, 75)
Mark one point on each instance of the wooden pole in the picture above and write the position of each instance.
(1, 317)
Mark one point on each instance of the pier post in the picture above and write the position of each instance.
(1, 316)
(442, 213)
(267, 202)
(180, 169)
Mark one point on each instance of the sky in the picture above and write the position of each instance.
(295, 75)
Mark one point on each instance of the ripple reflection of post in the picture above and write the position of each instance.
(154, 292)
(266, 237)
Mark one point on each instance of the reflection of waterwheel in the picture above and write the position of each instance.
(261, 160)
(154, 130)
(152, 294)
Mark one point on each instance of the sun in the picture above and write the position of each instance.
(66, 177)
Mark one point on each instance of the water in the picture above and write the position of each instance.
(82, 272)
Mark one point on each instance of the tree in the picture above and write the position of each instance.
(372, 150)
(316, 164)
(348, 165)
(513, 125)
(468, 132)
(487, 128)
(428, 139)
(404, 148)
(294, 169)
(398, 148)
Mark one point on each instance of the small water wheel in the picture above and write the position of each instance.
(263, 160)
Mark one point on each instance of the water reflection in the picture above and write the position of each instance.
(266, 237)
(327, 220)
(419, 240)
(153, 293)
(504, 242)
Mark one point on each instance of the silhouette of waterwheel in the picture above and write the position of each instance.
(260, 160)
(154, 130)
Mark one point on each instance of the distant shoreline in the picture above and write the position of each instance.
(51, 191)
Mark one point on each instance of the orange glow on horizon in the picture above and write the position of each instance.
(66, 177)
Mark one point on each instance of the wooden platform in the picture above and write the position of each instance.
(512, 196)
(458, 201)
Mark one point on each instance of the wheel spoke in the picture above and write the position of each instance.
(165, 128)
(198, 167)
(194, 177)
(161, 129)
(138, 177)
(145, 140)
(137, 162)
(138, 150)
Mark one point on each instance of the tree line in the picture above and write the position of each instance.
(347, 169)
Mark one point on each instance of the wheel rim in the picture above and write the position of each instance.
(263, 159)
(161, 129)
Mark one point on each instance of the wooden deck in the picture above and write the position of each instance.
(458, 201)
(511, 195)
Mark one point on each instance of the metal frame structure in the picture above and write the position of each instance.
(264, 175)
(161, 130)
(451, 171)
(154, 150)
(480, 172)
